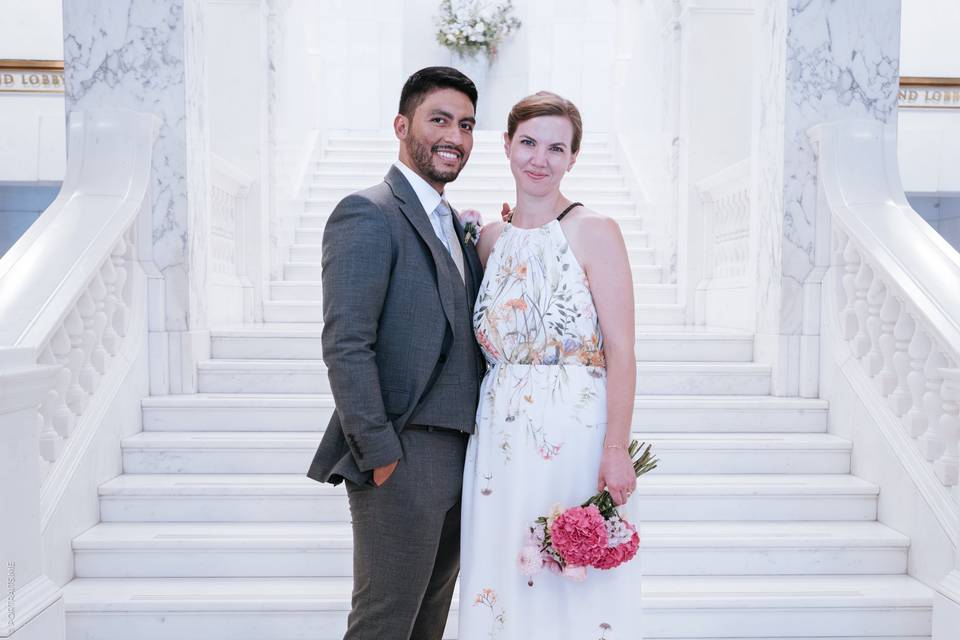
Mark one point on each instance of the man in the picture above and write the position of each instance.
(399, 284)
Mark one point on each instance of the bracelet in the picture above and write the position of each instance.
(614, 446)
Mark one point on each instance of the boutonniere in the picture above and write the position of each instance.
(471, 221)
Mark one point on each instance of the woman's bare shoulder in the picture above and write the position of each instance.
(489, 233)
(591, 227)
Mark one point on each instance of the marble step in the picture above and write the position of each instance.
(643, 274)
(389, 142)
(314, 253)
(304, 342)
(291, 452)
(316, 211)
(361, 177)
(312, 311)
(272, 549)
(483, 164)
(298, 285)
(651, 413)
(461, 195)
(896, 607)
(248, 497)
(489, 154)
(310, 376)
(633, 239)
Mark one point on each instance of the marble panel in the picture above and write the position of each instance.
(820, 61)
(146, 56)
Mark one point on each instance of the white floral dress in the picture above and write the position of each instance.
(538, 442)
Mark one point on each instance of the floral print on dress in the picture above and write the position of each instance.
(530, 311)
(487, 598)
(541, 421)
(535, 309)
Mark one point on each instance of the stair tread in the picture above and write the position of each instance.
(781, 534)
(738, 402)
(658, 592)
(673, 441)
(648, 333)
(680, 484)
(226, 364)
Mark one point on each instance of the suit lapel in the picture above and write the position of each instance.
(409, 205)
(471, 262)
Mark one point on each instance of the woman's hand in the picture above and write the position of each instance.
(617, 475)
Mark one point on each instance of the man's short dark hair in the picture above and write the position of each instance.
(428, 79)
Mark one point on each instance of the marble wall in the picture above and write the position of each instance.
(147, 56)
(818, 60)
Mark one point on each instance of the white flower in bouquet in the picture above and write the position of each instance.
(476, 26)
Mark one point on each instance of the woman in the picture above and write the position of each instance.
(555, 319)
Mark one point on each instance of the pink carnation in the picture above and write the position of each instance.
(470, 216)
(615, 556)
(579, 535)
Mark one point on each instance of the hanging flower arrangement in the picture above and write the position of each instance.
(471, 27)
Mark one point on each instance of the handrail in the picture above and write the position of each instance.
(896, 286)
(65, 289)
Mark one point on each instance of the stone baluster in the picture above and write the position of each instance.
(948, 463)
(122, 256)
(903, 330)
(889, 314)
(862, 281)
(76, 395)
(916, 418)
(851, 265)
(89, 378)
(930, 444)
(100, 358)
(110, 338)
(875, 297)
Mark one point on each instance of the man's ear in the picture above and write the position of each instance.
(401, 126)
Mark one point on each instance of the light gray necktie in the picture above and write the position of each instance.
(452, 242)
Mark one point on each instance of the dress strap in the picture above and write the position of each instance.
(567, 210)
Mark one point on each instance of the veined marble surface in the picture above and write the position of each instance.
(819, 60)
(822, 61)
(133, 54)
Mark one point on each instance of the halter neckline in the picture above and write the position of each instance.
(557, 219)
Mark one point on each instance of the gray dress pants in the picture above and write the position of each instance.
(406, 541)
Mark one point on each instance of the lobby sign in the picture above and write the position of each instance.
(31, 76)
(929, 93)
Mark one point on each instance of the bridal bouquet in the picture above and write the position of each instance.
(566, 542)
(469, 27)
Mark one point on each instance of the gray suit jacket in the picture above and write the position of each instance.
(388, 287)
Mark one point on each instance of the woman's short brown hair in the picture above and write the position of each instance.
(545, 103)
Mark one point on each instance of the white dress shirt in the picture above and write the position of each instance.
(429, 198)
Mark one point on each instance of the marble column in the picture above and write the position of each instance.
(817, 60)
(147, 55)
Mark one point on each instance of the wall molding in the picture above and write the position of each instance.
(46, 65)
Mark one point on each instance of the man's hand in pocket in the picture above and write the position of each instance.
(382, 474)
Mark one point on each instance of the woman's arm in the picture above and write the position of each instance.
(488, 237)
(598, 244)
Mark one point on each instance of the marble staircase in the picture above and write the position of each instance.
(754, 526)
(348, 163)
